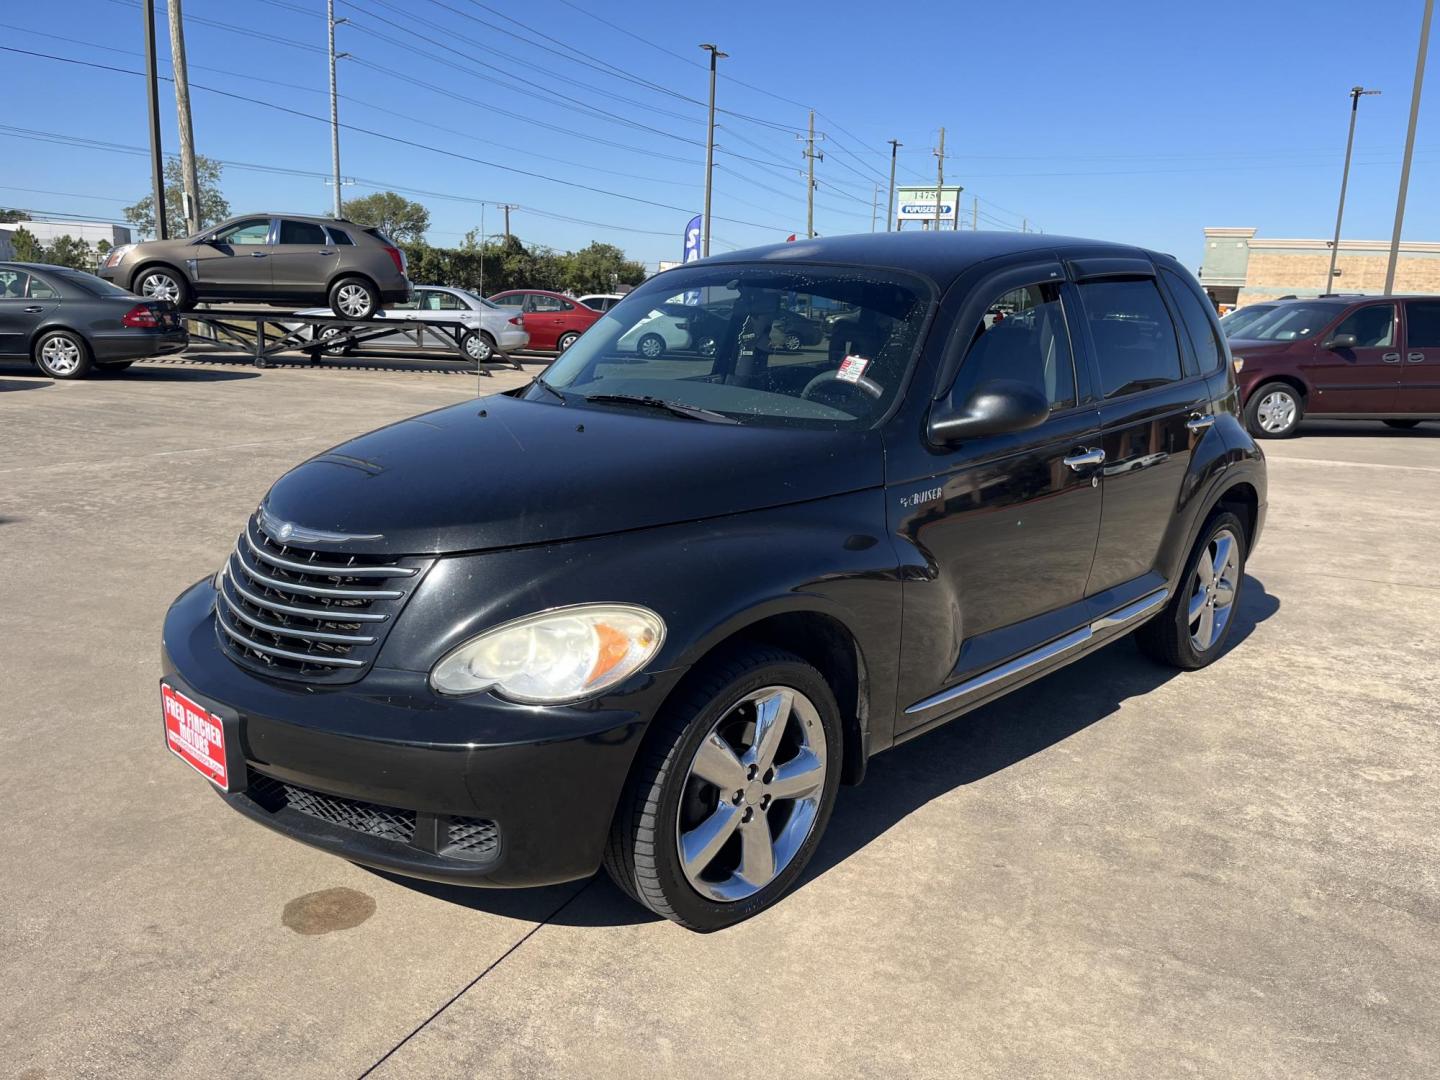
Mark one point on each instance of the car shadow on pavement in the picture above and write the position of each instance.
(901, 780)
(996, 736)
(40, 382)
(1350, 429)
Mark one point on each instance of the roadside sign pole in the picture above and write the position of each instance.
(1356, 93)
(890, 209)
(1409, 146)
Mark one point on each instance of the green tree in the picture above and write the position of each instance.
(26, 247)
(67, 251)
(213, 205)
(9, 217)
(399, 218)
(599, 268)
(503, 263)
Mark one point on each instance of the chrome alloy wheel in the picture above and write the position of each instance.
(61, 356)
(752, 794)
(158, 285)
(354, 300)
(1212, 590)
(1277, 411)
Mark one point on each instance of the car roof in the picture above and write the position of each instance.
(941, 256)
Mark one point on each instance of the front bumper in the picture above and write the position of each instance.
(387, 773)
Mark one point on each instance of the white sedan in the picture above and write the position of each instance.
(484, 328)
(664, 330)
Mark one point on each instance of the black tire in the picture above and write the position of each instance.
(354, 298)
(147, 277)
(61, 354)
(642, 855)
(1167, 637)
(793, 343)
(1402, 425)
(1263, 396)
(566, 340)
(651, 346)
(479, 346)
(333, 332)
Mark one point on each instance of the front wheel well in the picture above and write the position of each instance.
(156, 264)
(824, 643)
(1289, 380)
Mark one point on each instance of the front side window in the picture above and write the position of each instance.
(1373, 327)
(302, 232)
(1023, 337)
(1134, 338)
(1195, 314)
(245, 233)
(1422, 324)
(724, 339)
(13, 284)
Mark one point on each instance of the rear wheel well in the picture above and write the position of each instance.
(1244, 502)
(824, 643)
(345, 275)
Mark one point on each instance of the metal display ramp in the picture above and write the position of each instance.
(264, 333)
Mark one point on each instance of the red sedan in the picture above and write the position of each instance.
(553, 321)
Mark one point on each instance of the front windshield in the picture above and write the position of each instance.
(1289, 322)
(804, 346)
(1238, 321)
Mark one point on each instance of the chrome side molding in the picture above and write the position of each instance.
(1146, 605)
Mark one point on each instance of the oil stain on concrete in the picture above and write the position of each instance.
(327, 910)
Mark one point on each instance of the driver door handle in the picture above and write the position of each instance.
(1085, 457)
(1391, 357)
(1199, 422)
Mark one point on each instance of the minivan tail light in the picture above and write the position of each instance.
(140, 317)
(397, 257)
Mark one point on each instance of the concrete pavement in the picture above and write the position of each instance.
(1117, 871)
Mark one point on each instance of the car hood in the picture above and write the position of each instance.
(504, 472)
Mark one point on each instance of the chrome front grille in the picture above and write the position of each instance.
(301, 613)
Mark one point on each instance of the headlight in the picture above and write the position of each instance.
(556, 656)
(116, 254)
(1239, 362)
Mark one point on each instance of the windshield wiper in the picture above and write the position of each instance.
(676, 408)
(540, 382)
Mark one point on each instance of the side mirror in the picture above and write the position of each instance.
(1341, 341)
(996, 407)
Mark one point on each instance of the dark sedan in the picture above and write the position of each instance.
(69, 322)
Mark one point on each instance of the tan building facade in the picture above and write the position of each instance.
(1240, 268)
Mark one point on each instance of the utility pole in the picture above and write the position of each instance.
(874, 207)
(939, 178)
(157, 158)
(1024, 224)
(190, 184)
(890, 207)
(331, 22)
(811, 156)
(1356, 93)
(507, 207)
(715, 57)
(1409, 146)
(974, 213)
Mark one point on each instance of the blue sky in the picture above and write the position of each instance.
(1138, 122)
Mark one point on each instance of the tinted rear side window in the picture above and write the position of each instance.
(378, 235)
(338, 236)
(1195, 314)
(301, 232)
(1422, 330)
(1134, 338)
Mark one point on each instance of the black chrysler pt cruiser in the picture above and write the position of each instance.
(651, 610)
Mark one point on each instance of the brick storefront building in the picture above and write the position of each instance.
(1240, 268)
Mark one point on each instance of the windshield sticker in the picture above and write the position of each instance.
(852, 368)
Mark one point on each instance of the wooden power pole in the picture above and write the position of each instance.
(810, 157)
(939, 178)
(190, 199)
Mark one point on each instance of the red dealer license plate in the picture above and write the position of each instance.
(195, 735)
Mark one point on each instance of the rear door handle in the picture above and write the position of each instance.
(1199, 422)
(325, 253)
(1084, 458)
(1391, 357)
(34, 310)
(1415, 357)
(259, 254)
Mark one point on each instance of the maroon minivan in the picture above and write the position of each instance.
(1340, 358)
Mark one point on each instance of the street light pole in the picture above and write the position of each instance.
(890, 208)
(157, 157)
(1409, 146)
(715, 57)
(1356, 93)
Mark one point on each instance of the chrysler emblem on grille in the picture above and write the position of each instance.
(287, 531)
